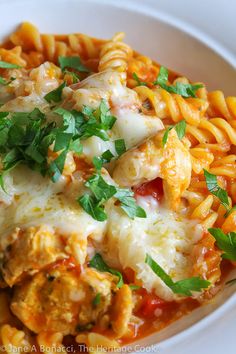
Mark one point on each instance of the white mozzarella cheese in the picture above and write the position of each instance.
(167, 237)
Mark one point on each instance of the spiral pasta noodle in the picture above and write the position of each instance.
(221, 106)
(115, 54)
(14, 340)
(37, 48)
(173, 106)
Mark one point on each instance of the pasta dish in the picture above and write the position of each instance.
(117, 193)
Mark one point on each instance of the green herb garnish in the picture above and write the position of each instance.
(182, 287)
(4, 82)
(99, 161)
(5, 65)
(98, 263)
(180, 129)
(137, 79)
(97, 299)
(120, 147)
(225, 242)
(128, 203)
(101, 192)
(185, 90)
(75, 77)
(26, 137)
(55, 95)
(134, 287)
(216, 190)
(73, 62)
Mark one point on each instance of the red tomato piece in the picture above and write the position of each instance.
(153, 188)
(150, 303)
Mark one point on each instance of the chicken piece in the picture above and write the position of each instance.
(122, 311)
(33, 249)
(30, 87)
(62, 299)
(151, 160)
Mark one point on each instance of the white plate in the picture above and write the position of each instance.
(153, 29)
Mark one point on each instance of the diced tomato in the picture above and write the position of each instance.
(153, 188)
(150, 303)
(129, 275)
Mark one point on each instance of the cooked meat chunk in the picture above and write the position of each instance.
(122, 310)
(33, 249)
(63, 299)
(171, 162)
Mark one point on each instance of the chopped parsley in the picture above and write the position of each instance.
(25, 138)
(55, 95)
(74, 76)
(182, 287)
(99, 161)
(137, 79)
(134, 287)
(225, 242)
(180, 129)
(73, 62)
(98, 263)
(96, 300)
(216, 190)
(5, 65)
(101, 191)
(120, 147)
(4, 82)
(185, 90)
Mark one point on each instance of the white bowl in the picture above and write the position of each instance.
(174, 44)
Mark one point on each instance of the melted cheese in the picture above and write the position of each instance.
(37, 201)
(131, 125)
(166, 236)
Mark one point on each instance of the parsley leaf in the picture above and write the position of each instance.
(180, 129)
(134, 287)
(185, 90)
(183, 287)
(55, 95)
(225, 242)
(102, 191)
(56, 166)
(228, 212)
(216, 190)
(97, 299)
(120, 146)
(166, 134)
(137, 79)
(73, 62)
(98, 263)
(76, 146)
(74, 76)
(128, 203)
(92, 207)
(5, 65)
(4, 82)
(106, 157)
(26, 137)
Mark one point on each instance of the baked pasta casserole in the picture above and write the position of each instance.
(117, 192)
